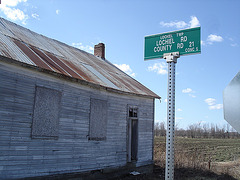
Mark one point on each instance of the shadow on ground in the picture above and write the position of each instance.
(157, 174)
(180, 174)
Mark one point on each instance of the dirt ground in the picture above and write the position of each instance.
(180, 174)
(231, 168)
(157, 174)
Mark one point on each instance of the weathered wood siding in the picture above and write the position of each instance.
(23, 156)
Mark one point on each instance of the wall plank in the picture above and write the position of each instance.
(22, 156)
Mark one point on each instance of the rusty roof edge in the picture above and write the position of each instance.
(107, 61)
(83, 82)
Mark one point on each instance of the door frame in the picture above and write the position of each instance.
(129, 134)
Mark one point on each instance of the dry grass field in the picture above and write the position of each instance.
(221, 156)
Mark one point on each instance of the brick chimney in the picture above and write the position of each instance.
(99, 50)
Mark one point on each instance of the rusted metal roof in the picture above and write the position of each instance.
(25, 46)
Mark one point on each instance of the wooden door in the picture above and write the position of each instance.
(134, 139)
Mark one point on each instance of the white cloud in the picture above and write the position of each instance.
(11, 3)
(194, 22)
(179, 110)
(177, 24)
(210, 101)
(191, 95)
(188, 90)
(86, 48)
(35, 16)
(216, 106)
(165, 100)
(57, 11)
(159, 68)
(126, 68)
(212, 104)
(12, 13)
(214, 38)
(234, 44)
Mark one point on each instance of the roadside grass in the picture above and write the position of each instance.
(217, 155)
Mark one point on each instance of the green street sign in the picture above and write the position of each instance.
(186, 42)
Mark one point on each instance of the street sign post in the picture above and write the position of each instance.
(185, 42)
(171, 46)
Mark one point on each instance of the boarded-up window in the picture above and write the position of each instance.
(98, 120)
(46, 113)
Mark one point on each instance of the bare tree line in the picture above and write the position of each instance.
(199, 130)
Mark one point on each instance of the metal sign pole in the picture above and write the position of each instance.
(171, 59)
(169, 46)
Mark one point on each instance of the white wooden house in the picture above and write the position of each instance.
(63, 110)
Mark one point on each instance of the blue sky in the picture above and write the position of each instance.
(122, 25)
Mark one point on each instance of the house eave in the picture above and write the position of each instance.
(72, 79)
